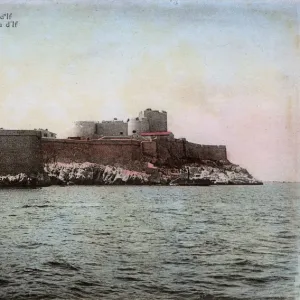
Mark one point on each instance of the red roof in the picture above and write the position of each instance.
(156, 133)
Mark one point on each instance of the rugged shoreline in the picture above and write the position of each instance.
(219, 173)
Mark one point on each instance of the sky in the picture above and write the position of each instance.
(227, 72)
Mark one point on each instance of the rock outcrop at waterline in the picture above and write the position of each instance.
(223, 173)
(220, 172)
(24, 181)
(93, 174)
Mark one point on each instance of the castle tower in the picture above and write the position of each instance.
(158, 121)
(134, 126)
(85, 129)
(144, 124)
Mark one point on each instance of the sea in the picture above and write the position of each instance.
(150, 242)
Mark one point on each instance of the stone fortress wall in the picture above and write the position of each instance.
(26, 152)
(108, 143)
(205, 152)
(106, 152)
(129, 152)
(20, 152)
(180, 150)
(111, 128)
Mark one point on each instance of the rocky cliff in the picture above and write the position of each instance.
(93, 174)
(221, 172)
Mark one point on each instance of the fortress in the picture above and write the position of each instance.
(132, 144)
(148, 121)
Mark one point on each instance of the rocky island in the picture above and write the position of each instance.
(140, 151)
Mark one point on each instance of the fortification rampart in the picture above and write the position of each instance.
(127, 151)
(149, 148)
(180, 151)
(205, 152)
(107, 152)
(24, 151)
(20, 152)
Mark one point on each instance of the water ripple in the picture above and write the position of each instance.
(215, 243)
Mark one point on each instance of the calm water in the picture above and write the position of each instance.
(238, 242)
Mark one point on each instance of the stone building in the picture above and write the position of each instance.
(148, 121)
(157, 120)
(46, 133)
(112, 128)
(86, 129)
(20, 152)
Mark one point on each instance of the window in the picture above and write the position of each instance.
(121, 133)
(133, 131)
(45, 134)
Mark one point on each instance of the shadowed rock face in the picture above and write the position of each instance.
(25, 181)
(221, 172)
